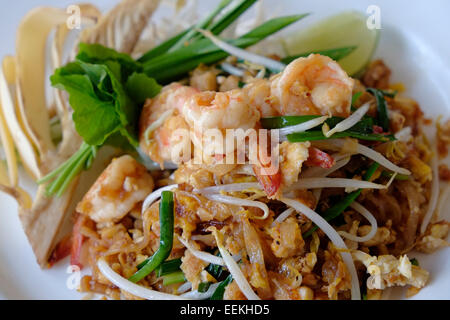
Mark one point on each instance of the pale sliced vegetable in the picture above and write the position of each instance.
(240, 202)
(122, 26)
(21, 140)
(8, 147)
(22, 197)
(131, 287)
(243, 54)
(234, 269)
(233, 187)
(369, 216)
(315, 183)
(445, 193)
(349, 122)
(31, 43)
(335, 239)
(342, 30)
(202, 255)
(434, 196)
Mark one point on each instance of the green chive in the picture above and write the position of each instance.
(335, 54)
(172, 278)
(166, 220)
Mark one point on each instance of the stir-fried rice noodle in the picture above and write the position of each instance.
(235, 270)
(234, 187)
(434, 193)
(241, 202)
(339, 144)
(333, 236)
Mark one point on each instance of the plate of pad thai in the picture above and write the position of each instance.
(224, 150)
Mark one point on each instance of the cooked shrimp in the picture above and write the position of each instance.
(216, 112)
(220, 110)
(258, 92)
(122, 185)
(312, 85)
(160, 118)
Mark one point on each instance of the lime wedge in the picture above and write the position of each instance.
(345, 29)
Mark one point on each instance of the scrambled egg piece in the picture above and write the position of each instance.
(387, 271)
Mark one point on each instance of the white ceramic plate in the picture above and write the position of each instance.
(414, 43)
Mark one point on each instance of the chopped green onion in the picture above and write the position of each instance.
(389, 93)
(163, 47)
(167, 267)
(356, 97)
(166, 220)
(203, 286)
(336, 210)
(220, 290)
(389, 174)
(64, 174)
(414, 262)
(229, 17)
(382, 114)
(335, 54)
(193, 33)
(172, 65)
(172, 278)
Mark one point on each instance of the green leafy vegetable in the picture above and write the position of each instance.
(166, 220)
(106, 90)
